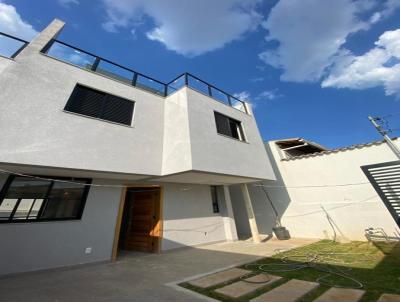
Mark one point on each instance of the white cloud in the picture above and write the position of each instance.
(12, 23)
(379, 66)
(265, 95)
(269, 95)
(187, 27)
(389, 7)
(311, 44)
(68, 3)
(311, 38)
(243, 96)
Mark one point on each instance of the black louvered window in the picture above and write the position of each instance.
(90, 102)
(228, 126)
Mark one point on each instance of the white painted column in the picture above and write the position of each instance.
(229, 219)
(41, 40)
(250, 213)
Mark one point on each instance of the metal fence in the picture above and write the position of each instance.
(76, 56)
(87, 60)
(11, 46)
(385, 178)
(203, 87)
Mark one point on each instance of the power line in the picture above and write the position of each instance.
(333, 208)
(60, 180)
(315, 186)
(124, 186)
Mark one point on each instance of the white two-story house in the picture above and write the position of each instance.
(96, 158)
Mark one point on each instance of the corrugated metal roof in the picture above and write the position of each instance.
(343, 149)
(300, 140)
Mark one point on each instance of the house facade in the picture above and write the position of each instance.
(96, 158)
(323, 193)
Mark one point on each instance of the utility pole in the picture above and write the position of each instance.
(385, 136)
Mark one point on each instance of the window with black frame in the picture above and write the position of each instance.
(229, 126)
(29, 199)
(100, 105)
(214, 197)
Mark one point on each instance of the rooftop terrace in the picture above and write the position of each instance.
(11, 46)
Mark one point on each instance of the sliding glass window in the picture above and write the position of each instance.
(29, 199)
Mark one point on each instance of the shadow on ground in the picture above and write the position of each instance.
(136, 277)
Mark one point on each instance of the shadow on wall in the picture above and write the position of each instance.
(264, 212)
(189, 218)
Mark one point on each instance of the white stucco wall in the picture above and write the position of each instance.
(43, 245)
(352, 208)
(177, 155)
(220, 154)
(188, 221)
(168, 135)
(188, 216)
(4, 63)
(37, 131)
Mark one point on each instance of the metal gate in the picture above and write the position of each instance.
(385, 178)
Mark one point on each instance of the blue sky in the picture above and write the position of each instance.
(311, 68)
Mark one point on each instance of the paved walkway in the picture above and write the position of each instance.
(136, 277)
(291, 291)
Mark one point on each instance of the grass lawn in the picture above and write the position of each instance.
(375, 266)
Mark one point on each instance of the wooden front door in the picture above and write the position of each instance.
(140, 228)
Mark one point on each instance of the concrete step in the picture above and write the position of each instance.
(247, 286)
(341, 294)
(389, 298)
(218, 278)
(291, 291)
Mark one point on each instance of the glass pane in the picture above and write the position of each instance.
(9, 46)
(176, 85)
(23, 208)
(35, 209)
(150, 85)
(238, 104)
(6, 207)
(28, 188)
(219, 96)
(71, 55)
(64, 201)
(234, 128)
(198, 85)
(115, 72)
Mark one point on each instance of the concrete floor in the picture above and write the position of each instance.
(135, 277)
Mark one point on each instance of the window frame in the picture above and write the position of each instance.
(239, 127)
(104, 99)
(52, 179)
(215, 199)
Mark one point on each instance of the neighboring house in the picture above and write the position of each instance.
(319, 192)
(121, 161)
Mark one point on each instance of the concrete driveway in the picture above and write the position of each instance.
(135, 277)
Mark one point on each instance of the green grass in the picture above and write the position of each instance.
(376, 266)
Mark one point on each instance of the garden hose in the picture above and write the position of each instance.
(317, 261)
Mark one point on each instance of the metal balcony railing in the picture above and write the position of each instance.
(201, 86)
(11, 46)
(86, 60)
